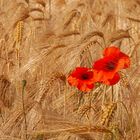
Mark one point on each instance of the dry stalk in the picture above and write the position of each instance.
(55, 77)
(72, 15)
(133, 19)
(84, 109)
(67, 34)
(124, 79)
(120, 34)
(92, 34)
(88, 46)
(7, 92)
(107, 19)
(52, 80)
(76, 130)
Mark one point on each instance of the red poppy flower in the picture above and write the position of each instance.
(107, 67)
(82, 78)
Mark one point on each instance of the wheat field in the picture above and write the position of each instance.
(41, 42)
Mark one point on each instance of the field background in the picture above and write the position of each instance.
(41, 42)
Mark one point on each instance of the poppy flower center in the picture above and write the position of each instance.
(85, 76)
(110, 65)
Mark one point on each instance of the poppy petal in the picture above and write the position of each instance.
(82, 78)
(113, 81)
(103, 70)
(98, 75)
(81, 87)
(72, 81)
(111, 51)
(84, 87)
(90, 86)
(107, 63)
(108, 75)
(125, 60)
(99, 64)
(77, 72)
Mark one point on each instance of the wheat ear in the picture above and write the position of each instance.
(108, 114)
(19, 32)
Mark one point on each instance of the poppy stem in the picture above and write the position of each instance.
(80, 98)
(112, 96)
(23, 106)
(104, 95)
(90, 106)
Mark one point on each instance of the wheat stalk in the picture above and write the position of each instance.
(76, 130)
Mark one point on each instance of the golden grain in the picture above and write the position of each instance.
(19, 32)
(108, 114)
